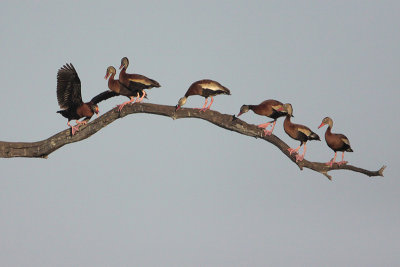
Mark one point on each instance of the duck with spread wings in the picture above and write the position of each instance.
(70, 99)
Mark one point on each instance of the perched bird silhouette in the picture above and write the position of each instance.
(298, 132)
(270, 108)
(205, 88)
(120, 89)
(337, 142)
(70, 99)
(135, 82)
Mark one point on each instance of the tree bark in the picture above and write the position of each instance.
(42, 149)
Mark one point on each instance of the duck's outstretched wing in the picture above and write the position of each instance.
(68, 87)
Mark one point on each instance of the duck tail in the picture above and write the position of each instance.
(314, 136)
(155, 83)
(64, 113)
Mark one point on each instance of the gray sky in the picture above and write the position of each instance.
(150, 191)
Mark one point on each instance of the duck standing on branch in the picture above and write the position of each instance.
(136, 82)
(120, 89)
(298, 132)
(337, 142)
(70, 99)
(270, 108)
(206, 89)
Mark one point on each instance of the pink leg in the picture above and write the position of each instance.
(264, 125)
(212, 100)
(81, 122)
(74, 129)
(144, 94)
(342, 162)
(136, 100)
(270, 131)
(330, 163)
(300, 158)
(123, 104)
(205, 104)
(291, 150)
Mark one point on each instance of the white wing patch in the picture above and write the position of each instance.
(276, 107)
(211, 86)
(346, 141)
(142, 81)
(305, 131)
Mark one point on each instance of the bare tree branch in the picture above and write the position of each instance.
(42, 149)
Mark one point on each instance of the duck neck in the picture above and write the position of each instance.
(122, 72)
(251, 107)
(111, 81)
(287, 121)
(328, 130)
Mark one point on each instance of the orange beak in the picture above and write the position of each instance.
(322, 124)
(121, 67)
(106, 77)
(177, 107)
(240, 113)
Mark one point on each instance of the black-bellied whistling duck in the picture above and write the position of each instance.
(206, 89)
(70, 99)
(119, 88)
(270, 108)
(298, 132)
(135, 81)
(337, 142)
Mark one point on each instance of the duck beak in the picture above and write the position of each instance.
(322, 124)
(121, 67)
(106, 77)
(177, 107)
(240, 113)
